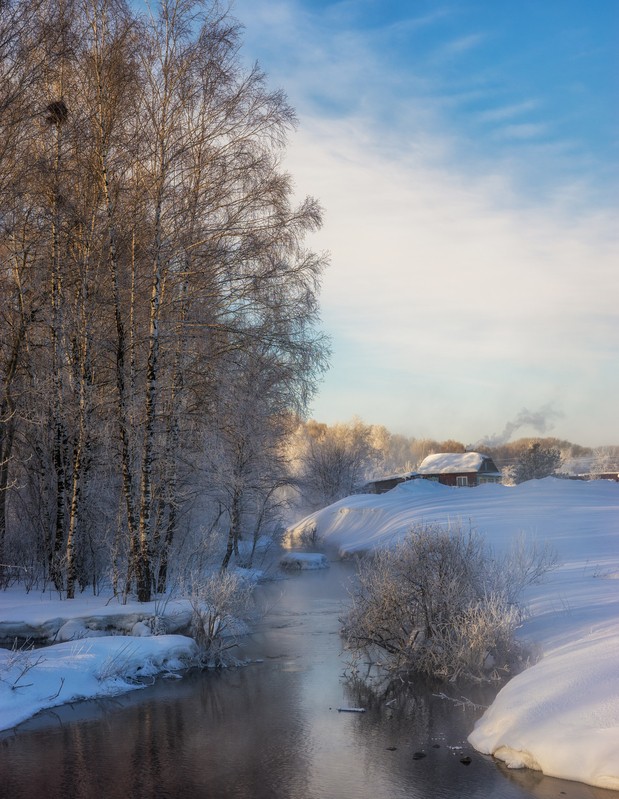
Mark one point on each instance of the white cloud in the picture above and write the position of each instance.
(438, 278)
(507, 112)
(460, 45)
(455, 297)
(522, 131)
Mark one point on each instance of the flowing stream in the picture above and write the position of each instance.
(269, 730)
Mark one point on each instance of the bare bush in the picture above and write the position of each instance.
(19, 660)
(221, 605)
(440, 605)
(526, 563)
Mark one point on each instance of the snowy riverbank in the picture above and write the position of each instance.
(560, 716)
(95, 646)
(103, 648)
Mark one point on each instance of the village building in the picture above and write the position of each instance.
(459, 469)
(384, 484)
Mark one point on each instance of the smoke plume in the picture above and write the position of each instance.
(542, 421)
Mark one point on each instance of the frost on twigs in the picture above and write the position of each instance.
(440, 605)
(118, 665)
(14, 667)
(221, 606)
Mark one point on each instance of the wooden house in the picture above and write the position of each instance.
(459, 469)
(384, 484)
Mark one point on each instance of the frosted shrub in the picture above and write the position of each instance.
(119, 665)
(221, 604)
(15, 663)
(526, 563)
(438, 604)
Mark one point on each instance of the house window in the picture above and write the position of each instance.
(462, 481)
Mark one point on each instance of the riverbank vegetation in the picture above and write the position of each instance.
(439, 604)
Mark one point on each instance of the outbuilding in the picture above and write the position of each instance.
(383, 484)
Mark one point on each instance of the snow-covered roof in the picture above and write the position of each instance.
(399, 476)
(452, 462)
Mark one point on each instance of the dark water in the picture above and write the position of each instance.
(270, 730)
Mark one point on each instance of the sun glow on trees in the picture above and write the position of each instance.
(150, 247)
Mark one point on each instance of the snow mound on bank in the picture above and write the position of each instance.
(561, 716)
(100, 648)
(304, 560)
(32, 680)
(574, 513)
(43, 618)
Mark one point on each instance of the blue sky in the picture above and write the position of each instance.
(465, 153)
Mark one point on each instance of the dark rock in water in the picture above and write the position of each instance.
(436, 746)
(391, 748)
(418, 755)
(466, 760)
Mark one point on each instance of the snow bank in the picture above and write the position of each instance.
(92, 646)
(577, 516)
(42, 617)
(35, 679)
(561, 716)
(100, 648)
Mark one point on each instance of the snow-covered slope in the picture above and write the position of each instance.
(573, 514)
(83, 669)
(560, 716)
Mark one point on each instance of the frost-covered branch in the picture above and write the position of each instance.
(440, 605)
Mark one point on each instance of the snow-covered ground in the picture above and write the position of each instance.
(561, 715)
(104, 648)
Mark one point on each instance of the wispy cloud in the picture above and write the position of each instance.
(415, 23)
(528, 130)
(507, 112)
(470, 277)
(459, 46)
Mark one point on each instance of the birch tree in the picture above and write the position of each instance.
(238, 265)
(152, 256)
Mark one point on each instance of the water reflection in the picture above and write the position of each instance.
(271, 730)
(542, 787)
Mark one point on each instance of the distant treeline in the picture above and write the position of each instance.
(332, 461)
(509, 453)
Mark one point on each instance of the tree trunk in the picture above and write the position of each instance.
(170, 489)
(60, 442)
(234, 531)
(144, 571)
(7, 432)
(80, 460)
(122, 409)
